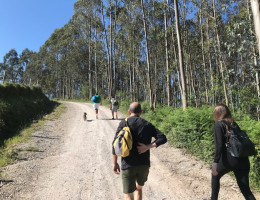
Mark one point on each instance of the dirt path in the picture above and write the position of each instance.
(72, 161)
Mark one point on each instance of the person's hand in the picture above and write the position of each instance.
(142, 148)
(116, 168)
(214, 169)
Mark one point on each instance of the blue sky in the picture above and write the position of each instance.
(29, 23)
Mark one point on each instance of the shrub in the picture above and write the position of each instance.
(192, 130)
(19, 105)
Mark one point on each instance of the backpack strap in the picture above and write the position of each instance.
(126, 123)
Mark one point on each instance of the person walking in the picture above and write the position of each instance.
(135, 167)
(114, 106)
(223, 161)
(96, 99)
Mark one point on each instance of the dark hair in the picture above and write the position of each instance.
(135, 108)
(221, 112)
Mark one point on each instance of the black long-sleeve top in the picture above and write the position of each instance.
(142, 132)
(220, 140)
(221, 153)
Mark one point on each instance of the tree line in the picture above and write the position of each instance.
(173, 52)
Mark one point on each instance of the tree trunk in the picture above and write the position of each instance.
(107, 46)
(111, 58)
(183, 86)
(210, 62)
(255, 5)
(166, 56)
(90, 61)
(220, 56)
(147, 57)
(203, 57)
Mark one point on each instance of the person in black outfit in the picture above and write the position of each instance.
(223, 161)
(135, 167)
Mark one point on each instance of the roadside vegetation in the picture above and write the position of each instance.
(23, 110)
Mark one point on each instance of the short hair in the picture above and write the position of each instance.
(135, 108)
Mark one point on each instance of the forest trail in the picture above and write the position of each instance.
(72, 160)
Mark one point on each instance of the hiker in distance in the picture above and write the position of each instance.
(135, 167)
(224, 162)
(96, 99)
(114, 106)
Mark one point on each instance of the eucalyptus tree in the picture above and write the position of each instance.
(24, 59)
(11, 67)
(33, 71)
(255, 5)
(128, 41)
(205, 71)
(165, 10)
(147, 53)
(55, 58)
(84, 12)
(182, 76)
(3, 68)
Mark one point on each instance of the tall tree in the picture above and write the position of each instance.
(147, 55)
(255, 5)
(181, 66)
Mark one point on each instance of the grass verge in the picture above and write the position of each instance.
(8, 152)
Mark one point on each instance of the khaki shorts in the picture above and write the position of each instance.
(133, 175)
(114, 108)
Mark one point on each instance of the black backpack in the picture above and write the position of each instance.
(238, 143)
(115, 102)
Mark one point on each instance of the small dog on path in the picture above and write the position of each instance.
(85, 116)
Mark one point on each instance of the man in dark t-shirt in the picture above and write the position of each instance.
(135, 167)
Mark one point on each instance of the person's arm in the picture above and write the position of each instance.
(143, 148)
(116, 167)
(160, 139)
(219, 142)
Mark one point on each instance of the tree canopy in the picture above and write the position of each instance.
(173, 52)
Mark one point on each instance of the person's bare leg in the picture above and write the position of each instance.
(129, 196)
(138, 192)
(112, 114)
(96, 113)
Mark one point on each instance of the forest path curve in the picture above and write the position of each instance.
(73, 162)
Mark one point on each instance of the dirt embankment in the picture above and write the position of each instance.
(72, 161)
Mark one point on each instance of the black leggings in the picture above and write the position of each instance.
(242, 181)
